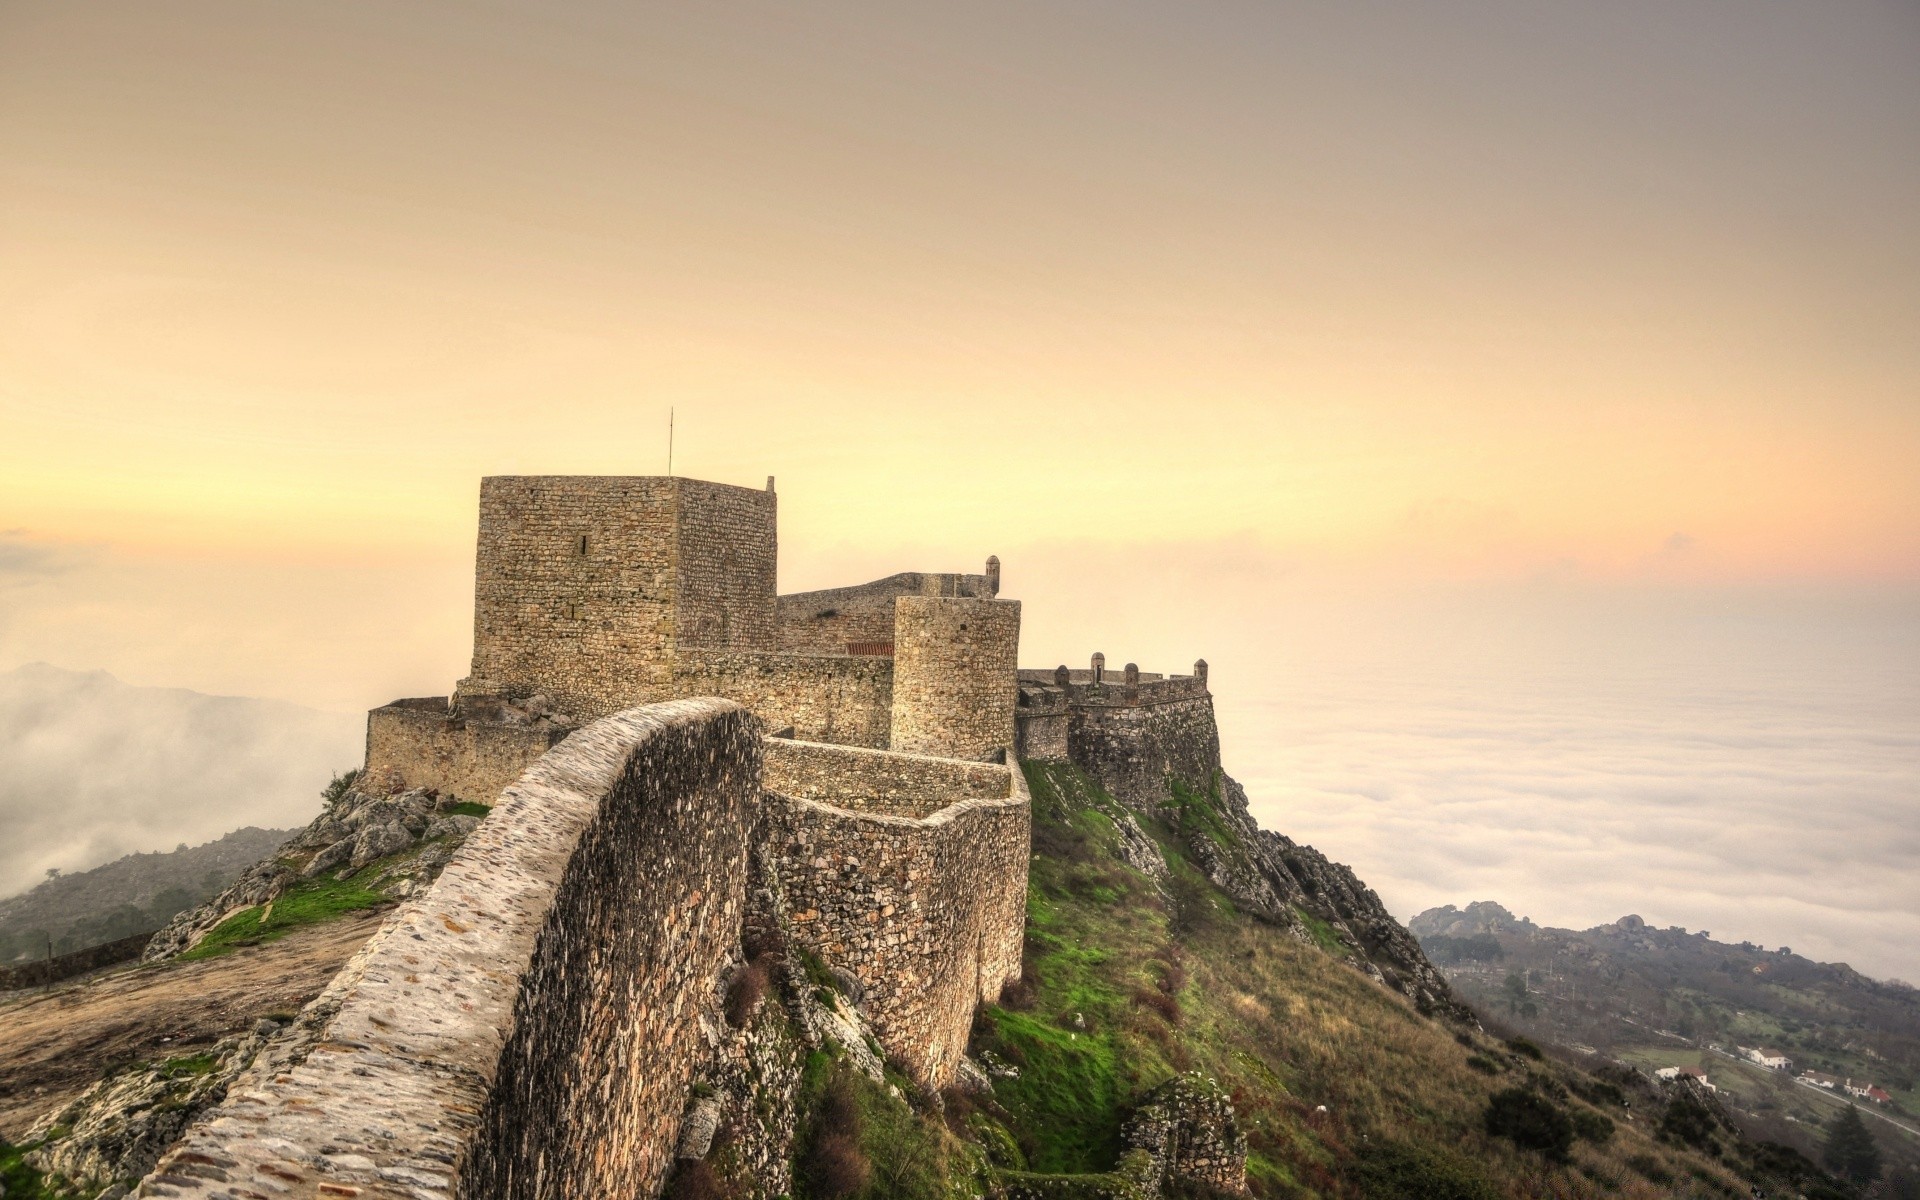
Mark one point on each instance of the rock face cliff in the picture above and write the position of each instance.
(1164, 761)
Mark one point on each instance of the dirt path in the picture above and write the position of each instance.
(54, 1045)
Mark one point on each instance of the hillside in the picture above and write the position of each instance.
(134, 894)
(1667, 997)
(1274, 1040)
(1145, 980)
(92, 769)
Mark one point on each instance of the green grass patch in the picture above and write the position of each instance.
(1323, 934)
(20, 1179)
(310, 902)
(1068, 1096)
(189, 1065)
(469, 808)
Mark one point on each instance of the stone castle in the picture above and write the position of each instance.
(685, 768)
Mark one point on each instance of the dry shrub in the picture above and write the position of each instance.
(1020, 994)
(746, 991)
(836, 1167)
(1173, 973)
(1168, 1006)
(694, 1180)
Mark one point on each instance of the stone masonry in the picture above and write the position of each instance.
(926, 913)
(530, 1023)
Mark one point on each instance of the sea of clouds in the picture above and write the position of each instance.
(1754, 790)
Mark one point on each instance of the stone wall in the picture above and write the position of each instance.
(830, 620)
(1040, 723)
(530, 1025)
(955, 663)
(1132, 749)
(902, 785)
(584, 585)
(725, 556)
(927, 914)
(474, 759)
(44, 971)
(823, 698)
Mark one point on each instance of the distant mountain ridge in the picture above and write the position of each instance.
(1666, 997)
(134, 894)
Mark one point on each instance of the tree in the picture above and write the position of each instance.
(1850, 1152)
(1517, 1002)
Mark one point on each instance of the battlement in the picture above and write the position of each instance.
(1059, 709)
(1064, 687)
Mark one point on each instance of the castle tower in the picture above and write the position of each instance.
(955, 670)
(586, 586)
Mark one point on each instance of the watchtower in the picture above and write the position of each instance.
(586, 586)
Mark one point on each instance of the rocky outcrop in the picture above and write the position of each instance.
(117, 1130)
(366, 824)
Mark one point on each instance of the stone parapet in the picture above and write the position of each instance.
(420, 744)
(926, 914)
(879, 781)
(529, 1026)
(821, 697)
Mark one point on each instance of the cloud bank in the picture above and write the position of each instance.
(1762, 805)
(91, 768)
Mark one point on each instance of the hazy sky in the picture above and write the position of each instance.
(1353, 316)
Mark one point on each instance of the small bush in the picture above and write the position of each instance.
(469, 808)
(694, 1180)
(1651, 1168)
(1531, 1122)
(1483, 1064)
(1688, 1122)
(1525, 1048)
(1157, 1001)
(1397, 1172)
(746, 991)
(1599, 1092)
(1590, 1126)
(836, 1167)
(338, 787)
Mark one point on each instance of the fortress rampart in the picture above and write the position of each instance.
(1130, 728)
(531, 1023)
(860, 780)
(474, 759)
(926, 913)
(859, 619)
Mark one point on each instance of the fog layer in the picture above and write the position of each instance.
(92, 768)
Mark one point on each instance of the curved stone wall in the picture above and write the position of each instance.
(863, 780)
(927, 914)
(529, 1025)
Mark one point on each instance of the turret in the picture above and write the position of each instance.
(955, 675)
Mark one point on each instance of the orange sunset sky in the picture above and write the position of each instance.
(1452, 288)
(1518, 403)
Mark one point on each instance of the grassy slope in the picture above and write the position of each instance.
(1125, 989)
